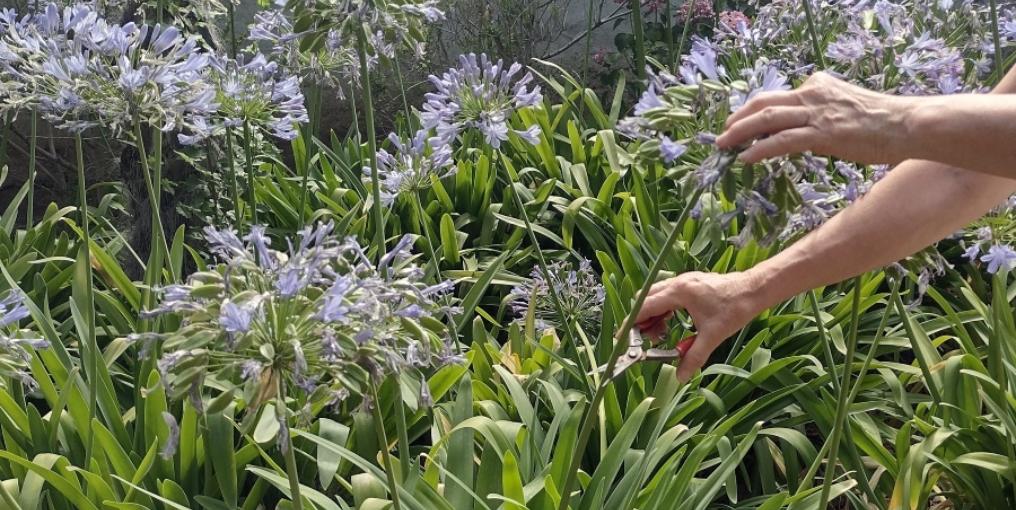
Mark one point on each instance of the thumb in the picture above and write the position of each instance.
(694, 359)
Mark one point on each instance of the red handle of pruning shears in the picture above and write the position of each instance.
(685, 345)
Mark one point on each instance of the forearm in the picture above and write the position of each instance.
(975, 132)
(917, 204)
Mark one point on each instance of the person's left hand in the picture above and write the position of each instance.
(826, 116)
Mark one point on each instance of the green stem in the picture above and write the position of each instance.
(841, 405)
(232, 28)
(405, 102)
(620, 343)
(33, 144)
(368, 113)
(639, 35)
(233, 185)
(427, 233)
(159, 238)
(403, 430)
(996, 39)
(248, 156)
(684, 35)
(356, 115)
(89, 312)
(289, 454)
(382, 438)
(813, 33)
(541, 260)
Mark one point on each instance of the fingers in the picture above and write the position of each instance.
(657, 305)
(763, 101)
(767, 121)
(791, 141)
(695, 359)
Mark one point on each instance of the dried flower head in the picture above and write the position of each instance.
(579, 290)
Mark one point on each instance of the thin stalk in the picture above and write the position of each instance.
(403, 432)
(996, 39)
(356, 114)
(841, 405)
(146, 170)
(234, 187)
(601, 414)
(89, 312)
(248, 156)
(813, 33)
(823, 339)
(5, 135)
(33, 144)
(427, 233)
(231, 14)
(541, 260)
(640, 40)
(289, 454)
(668, 36)
(382, 438)
(620, 343)
(684, 35)
(368, 113)
(402, 88)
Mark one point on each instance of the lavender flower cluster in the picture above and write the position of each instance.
(80, 71)
(317, 320)
(481, 94)
(579, 289)
(16, 344)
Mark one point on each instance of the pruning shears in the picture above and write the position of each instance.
(636, 354)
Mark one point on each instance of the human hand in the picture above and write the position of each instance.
(719, 305)
(826, 116)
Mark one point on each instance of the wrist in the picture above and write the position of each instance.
(916, 119)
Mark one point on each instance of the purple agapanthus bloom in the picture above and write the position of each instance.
(479, 94)
(259, 93)
(12, 309)
(671, 150)
(765, 77)
(1000, 257)
(701, 62)
(236, 318)
(412, 164)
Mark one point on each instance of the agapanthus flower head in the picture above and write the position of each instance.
(764, 77)
(480, 95)
(578, 288)
(318, 319)
(16, 344)
(256, 91)
(79, 70)
(412, 163)
(702, 62)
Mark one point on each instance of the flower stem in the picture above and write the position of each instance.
(248, 156)
(840, 420)
(427, 233)
(368, 113)
(159, 238)
(620, 343)
(89, 312)
(231, 14)
(541, 260)
(640, 40)
(402, 88)
(382, 438)
(813, 33)
(684, 33)
(997, 41)
(33, 143)
(403, 430)
(289, 453)
(234, 187)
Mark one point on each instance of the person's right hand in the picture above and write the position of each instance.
(719, 305)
